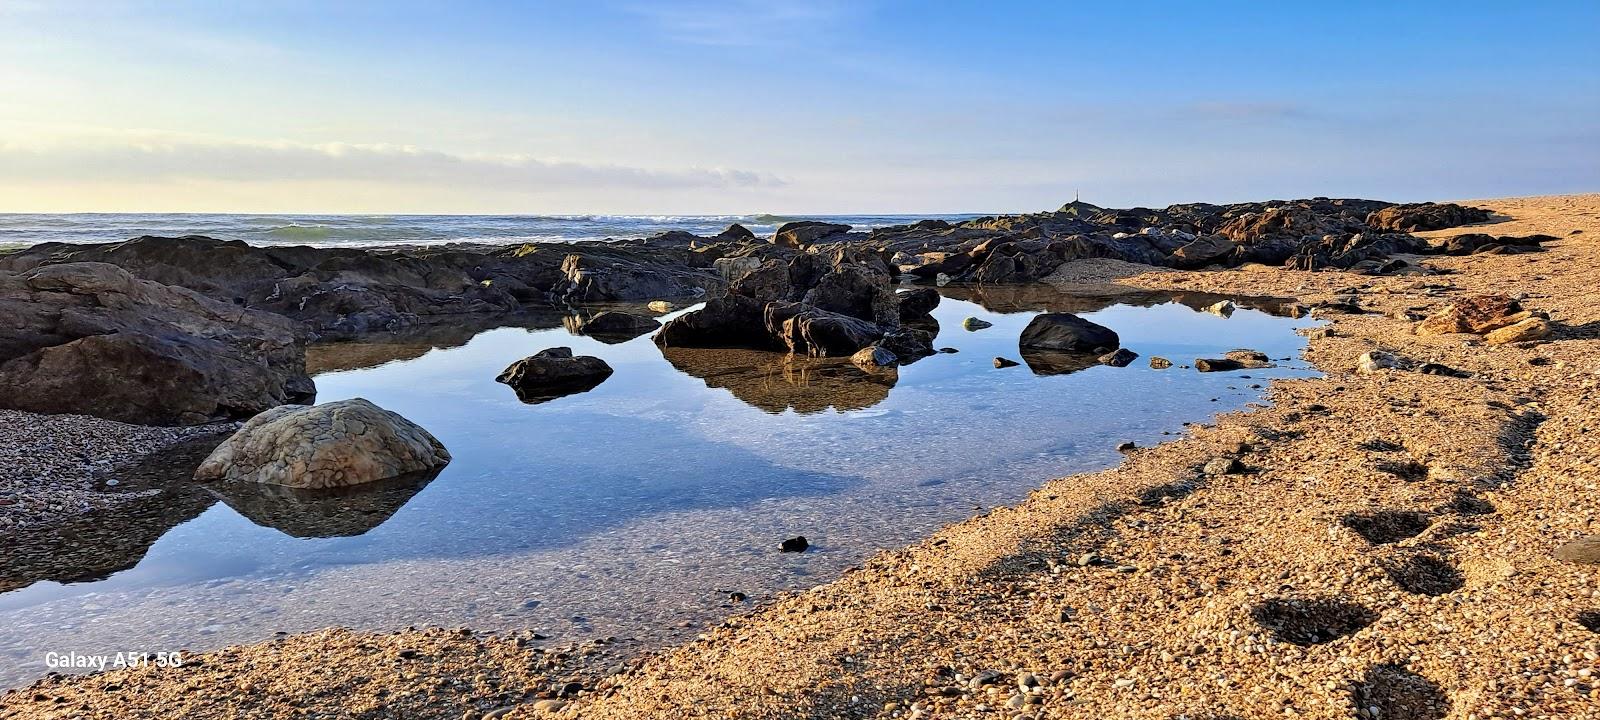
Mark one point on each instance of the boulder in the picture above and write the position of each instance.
(1249, 358)
(91, 339)
(873, 358)
(734, 321)
(1527, 330)
(735, 233)
(615, 325)
(1479, 315)
(1121, 357)
(806, 232)
(1067, 332)
(1160, 363)
(337, 444)
(1425, 216)
(908, 344)
(917, 305)
(733, 268)
(815, 332)
(552, 373)
(769, 281)
(858, 293)
(1217, 364)
(1203, 251)
(1375, 361)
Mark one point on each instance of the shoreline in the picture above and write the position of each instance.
(1008, 592)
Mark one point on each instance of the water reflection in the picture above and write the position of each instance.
(775, 382)
(628, 509)
(324, 512)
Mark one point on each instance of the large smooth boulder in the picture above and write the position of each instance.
(337, 444)
(552, 373)
(1067, 332)
(91, 339)
(818, 333)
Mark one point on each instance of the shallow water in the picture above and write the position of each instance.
(630, 510)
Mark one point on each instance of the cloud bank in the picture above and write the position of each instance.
(172, 160)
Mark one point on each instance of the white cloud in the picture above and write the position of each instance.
(163, 159)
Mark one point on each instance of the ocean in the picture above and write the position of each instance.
(375, 230)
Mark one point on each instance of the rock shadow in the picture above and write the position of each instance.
(1387, 526)
(1424, 575)
(1396, 693)
(1311, 621)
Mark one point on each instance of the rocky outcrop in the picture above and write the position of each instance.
(806, 232)
(91, 339)
(1065, 332)
(1425, 216)
(337, 444)
(553, 373)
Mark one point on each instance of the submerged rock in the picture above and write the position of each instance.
(337, 444)
(553, 373)
(874, 358)
(796, 544)
(1160, 363)
(1253, 359)
(973, 323)
(1000, 362)
(1065, 331)
(1217, 364)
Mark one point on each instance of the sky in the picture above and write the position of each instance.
(740, 106)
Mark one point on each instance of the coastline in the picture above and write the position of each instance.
(1006, 593)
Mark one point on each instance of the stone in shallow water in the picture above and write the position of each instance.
(553, 373)
(1121, 357)
(337, 444)
(1067, 332)
(795, 544)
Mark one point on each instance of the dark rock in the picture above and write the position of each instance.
(873, 358)
(732, 322)
(596, 279)
(615, 324)
(806, 232)
(917, 304)
(768, 282)
(1001, 362)
(796, 544)
(858, 293)
(554, 373)
(735, 233)
(1121, 357)
(909, 344)
(1203, 251)
(973, 323)
(1160, 363)
(1067, 332)
(1425, 216)
(89, 338)
(1252, 359)
(814, 332)
(1217, 365)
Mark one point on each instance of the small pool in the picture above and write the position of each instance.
(634, 509)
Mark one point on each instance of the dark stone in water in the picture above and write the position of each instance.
(1001, 362)
(796, 544)
(554, 373)
(1121, 357)
(1067, 332)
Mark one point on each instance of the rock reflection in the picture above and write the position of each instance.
(776, 382)
(1056, 362)
(381, 348)
(322, 513)
(93, 547)
(1042, 297)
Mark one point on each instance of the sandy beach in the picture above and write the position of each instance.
(1374, 545)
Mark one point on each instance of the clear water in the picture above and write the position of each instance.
(633, 509)
(376, 230)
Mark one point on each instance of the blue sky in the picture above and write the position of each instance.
(813, 107)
